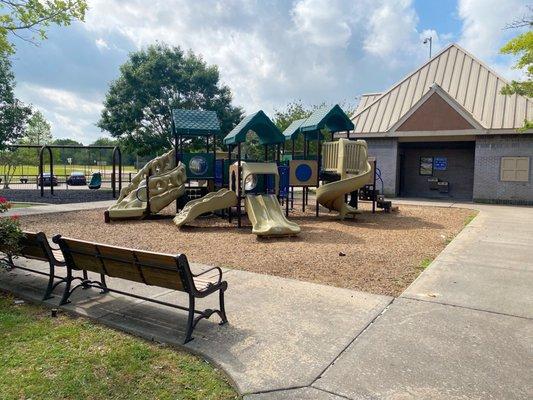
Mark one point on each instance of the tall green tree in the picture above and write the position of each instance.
(28, 19)
(38, 131)
(291, 112)
(77, 156)
(13, 113)
(522, 47)
(152, 82)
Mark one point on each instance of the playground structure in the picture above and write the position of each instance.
(201, 183)
(159, 183)
(349, 161)
(264, 210)
(213, 201)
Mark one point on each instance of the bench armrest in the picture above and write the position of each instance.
(209, 270)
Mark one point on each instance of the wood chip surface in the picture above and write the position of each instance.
(379, 253)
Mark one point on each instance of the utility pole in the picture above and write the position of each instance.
(426, 41)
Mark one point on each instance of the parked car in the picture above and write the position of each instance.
(47, 180)
(77, 179)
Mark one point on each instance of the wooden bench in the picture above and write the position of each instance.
(36, 246)
(154, 269)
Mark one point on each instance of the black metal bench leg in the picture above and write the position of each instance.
(85, 283)
(10, 262)
(103, 284)
(222, 307)
(50, 287)
(66, 293)
(190, 320)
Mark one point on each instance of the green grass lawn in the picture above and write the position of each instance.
(72, 358)
(33, 170)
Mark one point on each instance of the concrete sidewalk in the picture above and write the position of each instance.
(282, 333)
(57, 208)
(462, 330)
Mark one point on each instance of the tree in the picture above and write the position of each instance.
(28, 19)
(10, 160)
(152, 82)
(77, 156)
(293, 111)
(522, 47)
(38, 130)
(13, 120)
(13, 113)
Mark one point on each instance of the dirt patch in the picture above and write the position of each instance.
(382, 253)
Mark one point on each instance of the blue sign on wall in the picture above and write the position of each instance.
(440, 163)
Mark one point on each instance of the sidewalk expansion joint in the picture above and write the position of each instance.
(279, 390)
(468, 308)
(333, 393)
(354, 339)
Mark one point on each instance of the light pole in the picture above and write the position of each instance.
(426, 41)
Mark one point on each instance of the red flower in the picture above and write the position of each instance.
(3, 200)
(15, 217)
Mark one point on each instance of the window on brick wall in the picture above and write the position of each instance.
(514, 169)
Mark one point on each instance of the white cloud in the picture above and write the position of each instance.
(391, 28)
(271, 53)
(483, 31)
(323, 22)
(101, 44)
(69, 114)
(268, 53)
(484, 21)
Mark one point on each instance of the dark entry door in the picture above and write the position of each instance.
(425, 164)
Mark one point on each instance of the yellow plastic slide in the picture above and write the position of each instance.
(267, 218)
(353, 167)
(166, 184)
(213, 201)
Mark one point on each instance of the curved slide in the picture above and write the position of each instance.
(331, 195)
(213, 201)
(267, 218)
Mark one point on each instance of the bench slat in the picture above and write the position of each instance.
(133, 265)
(31, 247)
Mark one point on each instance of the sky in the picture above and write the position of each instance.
(269, 52)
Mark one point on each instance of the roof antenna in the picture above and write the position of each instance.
(426, 41)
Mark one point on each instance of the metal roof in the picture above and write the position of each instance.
(366, 99)
(196, 122)
(259, 123)
(468, 81)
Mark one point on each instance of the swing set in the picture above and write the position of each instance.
(96, 177)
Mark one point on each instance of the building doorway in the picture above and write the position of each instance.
(440, 170)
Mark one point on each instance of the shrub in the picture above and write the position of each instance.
(4, 205)
(10, 238)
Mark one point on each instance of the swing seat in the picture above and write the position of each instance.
(96, 181)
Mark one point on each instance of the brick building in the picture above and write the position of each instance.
(446, 131)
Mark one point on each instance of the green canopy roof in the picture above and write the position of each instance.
(196, 122)
(331, 118)
(293, 129)
(259, 123)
